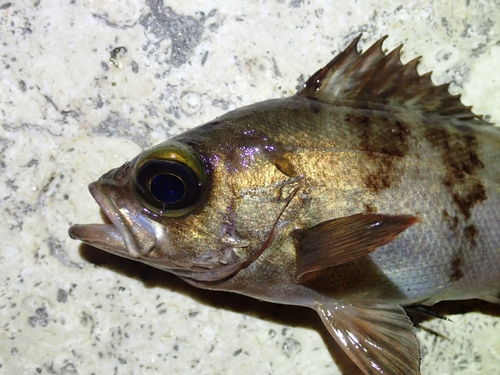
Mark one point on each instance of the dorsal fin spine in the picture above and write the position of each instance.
(375, 77)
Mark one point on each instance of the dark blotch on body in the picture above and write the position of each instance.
(467, 200)
(470, 233)
(458, 150)
(455, 268)
(377, 181)
(315, 105)
(451, 220)
(385, 142)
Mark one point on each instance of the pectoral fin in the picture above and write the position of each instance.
(380, 339)
(343, 240)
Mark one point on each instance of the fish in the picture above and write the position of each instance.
(369, 192)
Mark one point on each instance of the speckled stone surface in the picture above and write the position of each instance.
(86, 84)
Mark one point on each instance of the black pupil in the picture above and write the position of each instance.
(168, 188)
(167, 184)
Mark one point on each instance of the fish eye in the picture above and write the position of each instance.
(167, 184)
(170, 179)
(168, 188)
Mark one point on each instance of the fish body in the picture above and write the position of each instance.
(369, 190)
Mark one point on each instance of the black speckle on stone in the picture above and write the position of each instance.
(68, 368)
(291, 347)
(213, 27)
(22, 86)
(184, 31)
(237, 352)
(276, 70)
(104, 66)
(300, 82)
(57, 251)
(51, 102)
(220, 104)
(296, 3)
(62, 296)
(98, 102)
(204, 58)
(135, 67)
(479, 50)
(41, 318)
(31, 163)
(71, 113)
(115, 52)
(5, 6)
(116, 126)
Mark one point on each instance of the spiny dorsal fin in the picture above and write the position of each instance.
(379, 78)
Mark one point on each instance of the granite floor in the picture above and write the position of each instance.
(87, 84)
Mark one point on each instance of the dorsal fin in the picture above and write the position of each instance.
(379, 78)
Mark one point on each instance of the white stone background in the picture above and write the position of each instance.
(68, 114)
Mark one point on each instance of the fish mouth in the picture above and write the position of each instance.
(106, 237)
(115, 238)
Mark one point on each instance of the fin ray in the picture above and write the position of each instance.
(380, 339)
(345, 239)
(375, 77)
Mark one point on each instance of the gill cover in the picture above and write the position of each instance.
(170, 179)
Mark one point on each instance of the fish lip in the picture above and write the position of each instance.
(108, 237)
(102, 236)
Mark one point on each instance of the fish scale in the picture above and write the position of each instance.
(368, 191)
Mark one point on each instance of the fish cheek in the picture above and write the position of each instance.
(238, 218)
(258, 194)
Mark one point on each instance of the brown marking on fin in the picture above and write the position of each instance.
(379, 78)
(345, 239)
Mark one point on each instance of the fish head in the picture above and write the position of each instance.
(201, 210)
